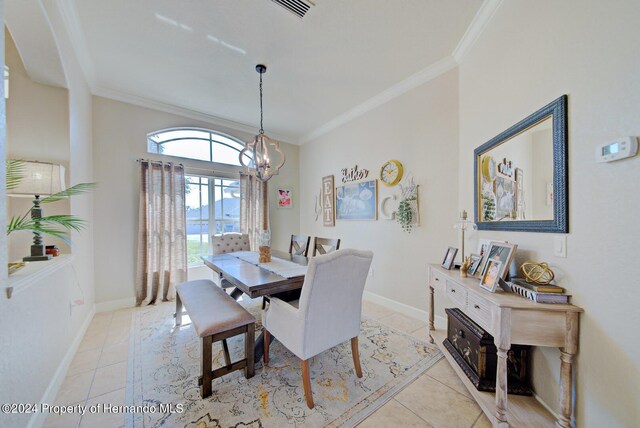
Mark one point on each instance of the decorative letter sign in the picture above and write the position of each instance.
(354, 174)
(328, 207)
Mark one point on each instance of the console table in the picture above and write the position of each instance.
(510, 318)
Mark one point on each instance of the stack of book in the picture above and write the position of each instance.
(547, 293)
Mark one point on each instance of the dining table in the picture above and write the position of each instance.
(282, 277)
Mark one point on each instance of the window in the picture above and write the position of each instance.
(204, 218)
(196, 143)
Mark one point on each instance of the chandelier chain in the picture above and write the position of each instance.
(261, 128)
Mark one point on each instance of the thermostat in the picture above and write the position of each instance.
(621, 148)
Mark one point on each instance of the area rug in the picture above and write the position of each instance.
(164, 364)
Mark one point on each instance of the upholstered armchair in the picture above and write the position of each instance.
(228, 243)
(327, 314)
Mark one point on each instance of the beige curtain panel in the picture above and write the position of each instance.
(252, 208)
(162, 254)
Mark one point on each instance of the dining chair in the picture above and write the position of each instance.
(327, 313)
(228, 243)
(299, 245)
(325, 245)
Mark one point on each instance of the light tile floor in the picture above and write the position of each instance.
(98, 375)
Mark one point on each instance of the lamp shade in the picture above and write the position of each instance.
(39, 178)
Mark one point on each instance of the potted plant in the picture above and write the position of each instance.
(54, 225)
(407, 213)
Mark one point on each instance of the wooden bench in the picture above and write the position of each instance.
(216, 316)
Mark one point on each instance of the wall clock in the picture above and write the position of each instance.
(391, 173)
(488, 168)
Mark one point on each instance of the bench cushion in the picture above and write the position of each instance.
(211, 309)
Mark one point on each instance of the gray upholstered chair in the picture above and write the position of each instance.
(327, 314)
(228, 243)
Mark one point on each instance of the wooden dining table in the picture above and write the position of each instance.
(255, 281)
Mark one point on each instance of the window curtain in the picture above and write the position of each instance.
(254, 210)
(162, 254)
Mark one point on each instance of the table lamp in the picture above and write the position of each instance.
(38, 179)
(464, 224)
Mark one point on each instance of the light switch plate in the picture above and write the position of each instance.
(560, 246)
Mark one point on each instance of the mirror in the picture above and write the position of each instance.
(521, 175)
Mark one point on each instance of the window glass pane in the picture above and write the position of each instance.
(231, 206)
(192, 149)
(197, 144)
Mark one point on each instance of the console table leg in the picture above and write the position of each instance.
(431, 305)
(503, 344)
(501, 386)
(566, 371)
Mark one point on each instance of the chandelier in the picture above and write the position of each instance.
(262, 148)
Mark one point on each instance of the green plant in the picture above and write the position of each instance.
(54, 225)
(404, 215)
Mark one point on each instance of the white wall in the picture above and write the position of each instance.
(40, 328)
(120, 136)
(419, 129)
(530, 54)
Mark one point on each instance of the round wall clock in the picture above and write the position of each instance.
(488, 168)
(391, 173)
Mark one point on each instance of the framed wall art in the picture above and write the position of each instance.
(283, 196)
(357, 201)
(328, 202)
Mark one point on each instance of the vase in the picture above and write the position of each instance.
(265, 246)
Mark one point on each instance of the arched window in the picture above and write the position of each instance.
(212, 202)
(196, 143)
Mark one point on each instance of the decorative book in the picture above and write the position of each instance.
(537, 296)
(538, 288)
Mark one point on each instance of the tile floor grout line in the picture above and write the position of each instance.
(95, 371)
(411, 411)
(453, 389)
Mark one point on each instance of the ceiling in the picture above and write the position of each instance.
(200, 55)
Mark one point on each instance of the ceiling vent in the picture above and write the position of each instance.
(297, 7)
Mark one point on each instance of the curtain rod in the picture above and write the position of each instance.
(209, 170)
(140, 160)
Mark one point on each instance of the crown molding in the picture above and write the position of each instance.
(413, 81)
(70, 19)
(474, 30)
(136, 100)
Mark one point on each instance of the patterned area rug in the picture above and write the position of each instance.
(164, 364)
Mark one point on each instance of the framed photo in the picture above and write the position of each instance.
(449, 257)
(491, 275)
(357, 201)
(505, 191)
(283, 196)
(483, 249)
(475, 263)
(503, 252)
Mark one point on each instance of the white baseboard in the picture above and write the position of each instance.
(112, 305)
(49, 396)
(410, 311)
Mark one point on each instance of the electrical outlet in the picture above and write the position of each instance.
(560, 246)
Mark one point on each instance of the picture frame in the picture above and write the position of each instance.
(491, 275)
(476, 259)
(284, 197)
(449, 257)
(502, 251)
(328, 202)
(483, 249)
(357, 201)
